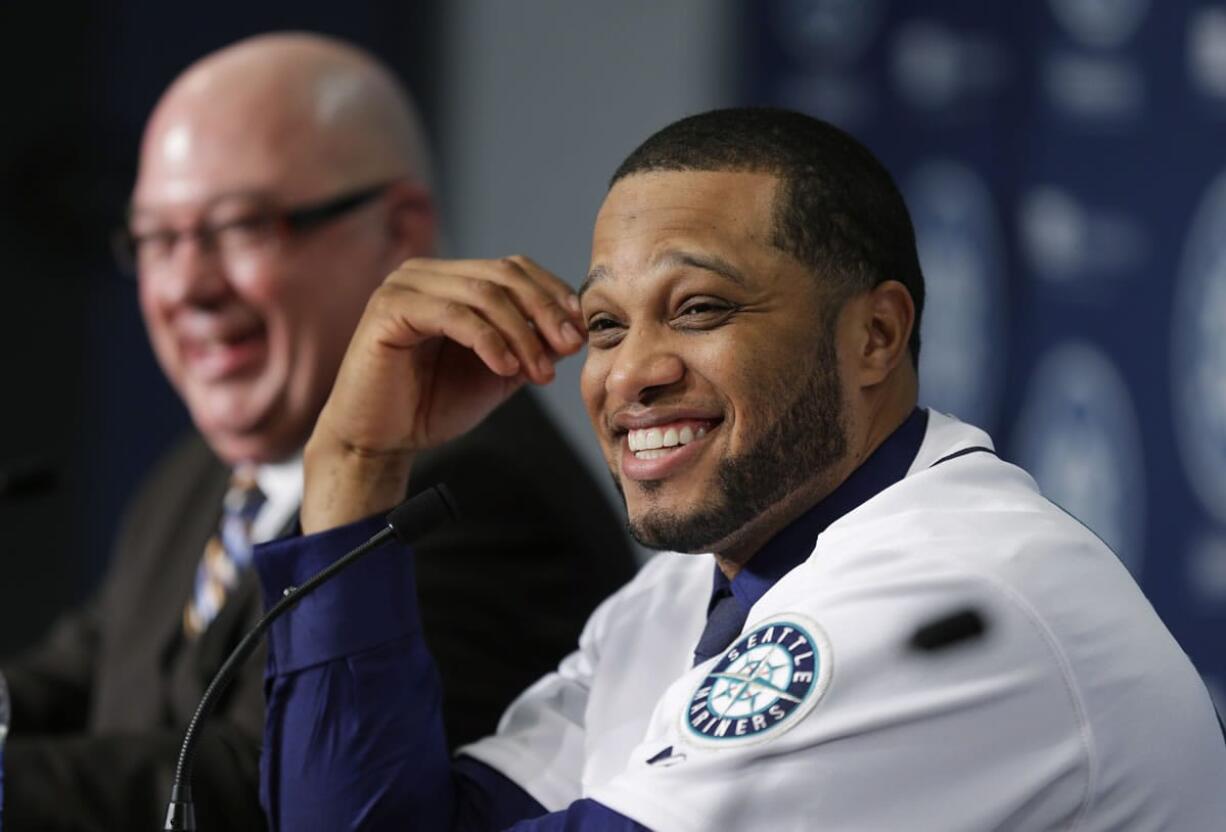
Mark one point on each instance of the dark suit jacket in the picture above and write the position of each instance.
(100, 706)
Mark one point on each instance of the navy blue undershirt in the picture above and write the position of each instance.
(793, 545)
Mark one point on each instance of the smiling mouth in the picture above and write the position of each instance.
(219, 358)
(662, 440)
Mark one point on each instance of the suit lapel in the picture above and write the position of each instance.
(150, 583)
(184, 548)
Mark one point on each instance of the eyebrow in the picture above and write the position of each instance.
(673, 259)
(597, 274)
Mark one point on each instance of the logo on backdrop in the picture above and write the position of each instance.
(763, 685)
(826, 32)
(826, 39)
(1092, 89)
(961, 252)
(847, 100)
(1095, 82)
(936, 67)
(1078, 436)
(1102, 24)
(1066, 241)
(1206, 51)
(1198, 352)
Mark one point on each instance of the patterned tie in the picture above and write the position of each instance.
(724, 623)
(227, 553)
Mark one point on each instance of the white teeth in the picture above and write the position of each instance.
(652, 439)
(655, 453)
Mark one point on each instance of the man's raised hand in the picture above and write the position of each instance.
(440, 345)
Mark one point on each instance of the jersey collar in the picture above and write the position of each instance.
(794, 543)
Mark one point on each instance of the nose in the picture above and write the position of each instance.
(193, 274)
(644, 365)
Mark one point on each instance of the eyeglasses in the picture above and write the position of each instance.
(254, 228)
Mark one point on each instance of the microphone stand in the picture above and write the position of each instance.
(406, 522)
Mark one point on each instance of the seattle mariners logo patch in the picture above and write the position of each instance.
(763, 684)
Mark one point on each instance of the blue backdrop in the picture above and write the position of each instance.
(1065, 165)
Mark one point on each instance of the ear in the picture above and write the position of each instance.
(412, 222)
(886, 317)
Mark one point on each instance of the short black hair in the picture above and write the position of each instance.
(838, 210)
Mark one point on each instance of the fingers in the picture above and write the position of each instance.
(561, 291)
(530, 310)
(426, 316)
(542, 297)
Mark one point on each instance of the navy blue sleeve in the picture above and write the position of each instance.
(353, 735)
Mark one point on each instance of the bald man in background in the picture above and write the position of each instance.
(280, 180)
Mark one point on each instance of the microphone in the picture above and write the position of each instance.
(948, 631)
(407, 522)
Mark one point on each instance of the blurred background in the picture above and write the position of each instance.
(1064, 161)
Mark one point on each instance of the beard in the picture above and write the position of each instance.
(807, 438)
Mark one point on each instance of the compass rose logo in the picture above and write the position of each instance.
(765, 683)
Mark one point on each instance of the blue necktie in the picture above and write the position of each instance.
(724, 623)
(227, 553)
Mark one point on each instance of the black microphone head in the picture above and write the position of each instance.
(422, 512)
(948, 630)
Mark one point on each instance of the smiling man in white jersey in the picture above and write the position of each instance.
(752, 316)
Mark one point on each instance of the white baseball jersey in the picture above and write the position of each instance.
(1077, 710)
